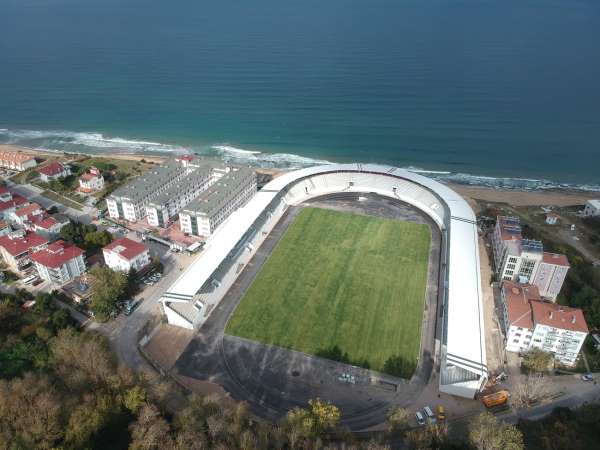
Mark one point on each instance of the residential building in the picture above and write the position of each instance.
(9, 202)
(17, 247)
(54, 171)
(551, 218)
(167, 204)
(26, 213)
(59, 262)
(16, 161)
(592, 208)
(49, 226)
(530, 322)
(204, 215)
(125, 254)
(129, 202)
(91, 181)
(524, 260)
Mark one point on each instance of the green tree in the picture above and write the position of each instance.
(311, 422)
(97, 239)
(108, 289)
(134, 399)
(486, 432)
(537, 361)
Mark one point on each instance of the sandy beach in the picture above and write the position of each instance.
(512, 197)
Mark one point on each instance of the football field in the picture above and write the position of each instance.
(344, 286)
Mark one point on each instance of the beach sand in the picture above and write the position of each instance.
(480, 194)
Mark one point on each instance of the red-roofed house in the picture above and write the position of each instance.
(16, 248)
(125, 254)
(9, 202)
(54, 171)
(16, 161)
(91, 181)
(26, 213)
(59, 262)
(530, 322)
(48, 226)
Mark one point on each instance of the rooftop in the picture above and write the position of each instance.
(517, 298)
(16, 201)
(595, 203)
(556, 259)
(28, 210)
(17, 244)
(510, 228)
(213, 198)
(52, 169)
(16, 157)
(56, 254)
(126, 248)
(559, 316)
(195, 177)
(150, 181)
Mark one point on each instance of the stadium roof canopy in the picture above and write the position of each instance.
(463, 357)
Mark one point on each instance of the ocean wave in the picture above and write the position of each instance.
(276, 160)
(63, 140)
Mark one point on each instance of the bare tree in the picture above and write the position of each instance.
(529, 390)
(150, 431)
(488, 433)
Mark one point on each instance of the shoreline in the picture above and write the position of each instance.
(515, 197)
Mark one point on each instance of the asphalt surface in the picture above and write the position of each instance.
(273, 380)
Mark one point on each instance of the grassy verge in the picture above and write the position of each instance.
(344, 286)
(61, 199)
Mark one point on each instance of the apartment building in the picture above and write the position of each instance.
(26, 213)
(16, 248)
(129, 202)
(91, 181)
(204, 215)
(54, 171)
(530, 322)
(48, 226)
(525, 261)
(16, 161)
(59, 263)
(125, 254)
(163, 207)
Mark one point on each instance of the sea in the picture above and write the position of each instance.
(500, 93)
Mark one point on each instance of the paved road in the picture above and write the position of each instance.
(33, 194)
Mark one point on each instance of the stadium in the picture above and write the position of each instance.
(290, 276)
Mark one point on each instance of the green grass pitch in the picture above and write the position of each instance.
(344, 286)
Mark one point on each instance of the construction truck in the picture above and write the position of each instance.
(496, 399)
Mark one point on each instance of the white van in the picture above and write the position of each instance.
(429, 414)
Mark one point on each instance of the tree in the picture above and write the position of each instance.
(398, 420)
(31, 412)
(150, 431)
(108, 288)
(429, 437)
(488, 433)
(319, 417)
(83, 359)
(135, 399)
(529, 390)
(537, 360)
(97, 239)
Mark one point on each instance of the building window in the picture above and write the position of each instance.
(515, 341)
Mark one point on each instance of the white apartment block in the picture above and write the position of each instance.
(592, 208)
(59, 263)
(204, 215)
(530, 322)
(125, 254)
(129, 202)
(524, 260)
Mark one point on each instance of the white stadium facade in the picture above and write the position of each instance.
(461, 357)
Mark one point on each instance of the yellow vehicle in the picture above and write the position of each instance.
(441, 413)
(496, 399)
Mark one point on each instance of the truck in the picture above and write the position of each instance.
(495, 399)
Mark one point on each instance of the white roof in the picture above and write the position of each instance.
(465, 339)
(595, 203)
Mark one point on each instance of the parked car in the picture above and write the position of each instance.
(587, 377)
(130, 306)
(430, 415)
(420, 418)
